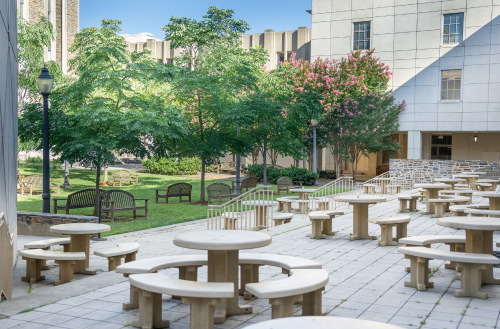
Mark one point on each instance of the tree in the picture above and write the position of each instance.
(32, 39)
(117, 104)
(216, 75)
(354, 83)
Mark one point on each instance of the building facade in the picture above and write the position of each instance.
(8, 144)
(280, 45)
(445, 58)
(64, 16)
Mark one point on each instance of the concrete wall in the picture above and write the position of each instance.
(8, 121)
(464, 147)
(407, 36)
(276, 43)
(38, 224)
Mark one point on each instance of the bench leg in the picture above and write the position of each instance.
(44, 262)
(114, 262)
(311, 303)
(66, 270)
(386, 235)
(403, 205)
(66, 247)
(471, 281)
(150, 311)
(282, 307)
(328, 227)
(280, 204)
(413, 204)
(249, 274)
(419, 274)
(33, 270)
(438, 210)
(286, 206)
(458, 247)
(201, 315)
(189, 273)
(134, 299)
(316, 230)
(130, 257)
(401, 231)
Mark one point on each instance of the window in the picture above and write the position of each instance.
(453, 29)
(450, 84)
(21, 8)
(361, 36)
(280, 57)
(441, 147)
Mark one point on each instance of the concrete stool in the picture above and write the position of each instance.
(386, 225)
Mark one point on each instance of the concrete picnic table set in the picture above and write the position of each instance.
(75, 257)
(211, 302)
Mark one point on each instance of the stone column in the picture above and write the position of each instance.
(64, 36)
(269, 45)
(414, 144)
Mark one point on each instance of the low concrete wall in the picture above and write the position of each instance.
(36, 223)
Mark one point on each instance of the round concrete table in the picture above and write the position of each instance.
(223, 259)
(79, 241)
(451, 181)
(260, 207)
(493, 182)
(478, 238)
(360, 213)
(303, 196)
(494, 199)
(383, 184)
(432, 192)
(471, 179)
(321, 322)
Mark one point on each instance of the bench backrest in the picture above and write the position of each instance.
(121, 174)
(214, 189)
(36, 180)
(283, 182)
(83, 198)
(249, 182)
(179, 189)
(120, 198)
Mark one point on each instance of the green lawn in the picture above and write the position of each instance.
(159, 214)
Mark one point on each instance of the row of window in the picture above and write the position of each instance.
(453, 31)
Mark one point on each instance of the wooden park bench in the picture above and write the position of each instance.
(123, 176)
(201, 296)
(176, 190)
(76, 200)
(46, 244)
(248, 184)
(282, 218)
(219, 191)
(285, 184)
(305, 284)
(386, 224)
(115, 255)
(35, 183)
(471, 265)
(119, 200)
(408, 202)
(322, 223)
(66, 261)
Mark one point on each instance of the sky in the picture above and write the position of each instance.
(151, 15)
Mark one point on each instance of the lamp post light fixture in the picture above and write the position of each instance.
(314, 123)
(475, 138)
(45, 84)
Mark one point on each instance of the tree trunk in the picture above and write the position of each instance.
(97, 181)
(255, 156)
(105, 179)
(202, 192)
(264, 161)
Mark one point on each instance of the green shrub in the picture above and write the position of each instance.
(169, 166)
(34, 160)
(327, 174)
(273, 174)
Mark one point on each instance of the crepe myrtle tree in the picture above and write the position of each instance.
(112, 107)
(215, 77)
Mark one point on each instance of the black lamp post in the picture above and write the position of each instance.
(45, 84)
(314, 123)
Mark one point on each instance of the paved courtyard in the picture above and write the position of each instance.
(366, 282)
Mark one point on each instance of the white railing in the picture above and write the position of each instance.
(323, 197)
(379, 185)
(252, 210)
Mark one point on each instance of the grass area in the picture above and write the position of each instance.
(159, 214)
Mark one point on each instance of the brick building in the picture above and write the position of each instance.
(64, 15)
